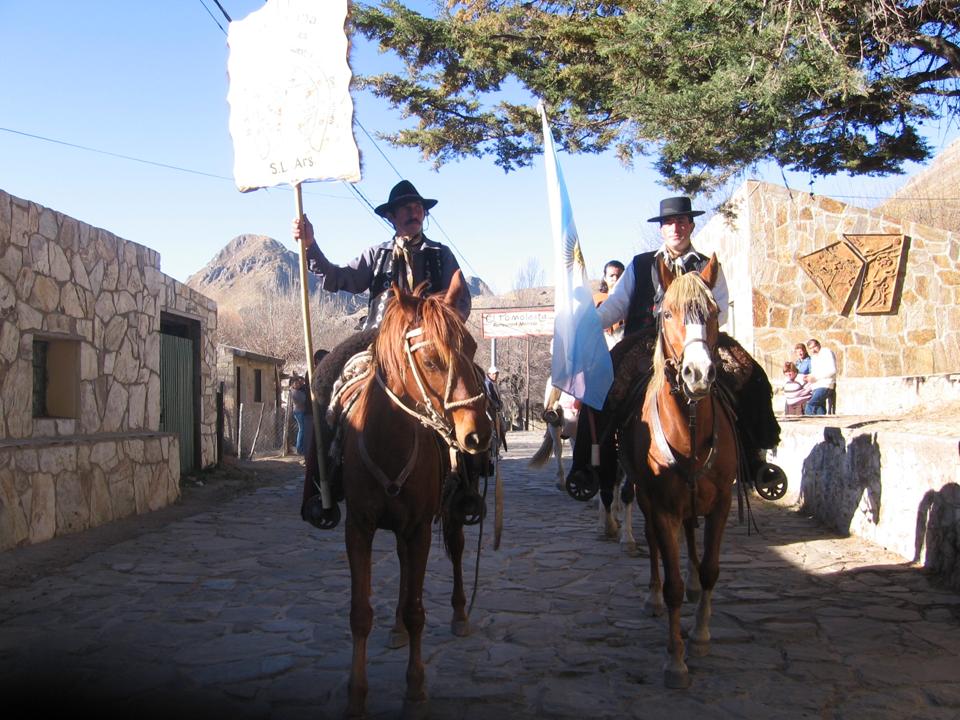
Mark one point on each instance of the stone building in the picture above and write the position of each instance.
(106, 376)
(882, 292)
(250, 383)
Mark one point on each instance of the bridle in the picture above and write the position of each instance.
(674, 363)
(425, 411)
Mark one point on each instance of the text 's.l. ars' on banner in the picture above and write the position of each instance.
(291, 114)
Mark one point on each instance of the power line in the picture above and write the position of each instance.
(166, 166)
(214, 18)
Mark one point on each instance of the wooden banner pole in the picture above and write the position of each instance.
(325, 495)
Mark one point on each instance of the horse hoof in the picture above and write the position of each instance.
(698, 649)
(652, 609)
(460, 628)
(415, 710)
(676, 679)
(397, 639)
(629, 548)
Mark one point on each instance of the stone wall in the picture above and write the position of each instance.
(900, 490)
(777, 304)
(73, 284)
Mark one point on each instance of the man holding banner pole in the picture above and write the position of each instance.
(407, 260)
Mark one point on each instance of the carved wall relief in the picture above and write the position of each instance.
(834, 269)
(875, 263)
(885, 257)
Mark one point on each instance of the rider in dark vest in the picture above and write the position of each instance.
(636, 300)
(408, 259)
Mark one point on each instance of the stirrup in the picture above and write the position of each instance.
(583, 484)
(313, 513)
(770, 481)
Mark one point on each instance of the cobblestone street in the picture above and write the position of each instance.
(241, 610)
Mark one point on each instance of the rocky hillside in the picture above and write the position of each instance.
(252, 267)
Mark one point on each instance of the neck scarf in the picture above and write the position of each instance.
(402, 247)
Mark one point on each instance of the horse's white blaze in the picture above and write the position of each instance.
(696, 359)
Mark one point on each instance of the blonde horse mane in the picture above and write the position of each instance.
(689, 292)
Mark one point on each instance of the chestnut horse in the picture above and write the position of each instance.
(423, 402)
(681, 453)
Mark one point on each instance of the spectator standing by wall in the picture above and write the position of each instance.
(822, 378)
(802, 360)
(795, 391)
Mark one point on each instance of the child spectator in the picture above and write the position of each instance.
(795, 393)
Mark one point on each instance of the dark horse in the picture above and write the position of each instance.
(681, 453)
(424, 400)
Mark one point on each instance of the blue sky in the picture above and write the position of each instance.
(148, 81)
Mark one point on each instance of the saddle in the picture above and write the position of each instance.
(346, 391)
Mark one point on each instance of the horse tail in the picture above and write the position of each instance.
(540, 457)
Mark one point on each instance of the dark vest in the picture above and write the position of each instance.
(385, 269)
(647, 293)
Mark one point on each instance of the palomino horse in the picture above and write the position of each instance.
(680, 450)
(561, 414)
(423, 401)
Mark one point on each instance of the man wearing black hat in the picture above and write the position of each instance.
(408, 259)
(636, 300)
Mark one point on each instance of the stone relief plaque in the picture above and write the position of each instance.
(883, 277)
(834, 269)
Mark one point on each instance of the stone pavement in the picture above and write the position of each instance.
(242, 611)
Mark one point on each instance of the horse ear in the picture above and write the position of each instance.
(406, 301)
(664, 272)
(711, 272)
(458, 295)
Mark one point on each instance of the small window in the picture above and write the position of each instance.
(258, 385)
(56, 378)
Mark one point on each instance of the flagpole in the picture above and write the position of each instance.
(331, 512)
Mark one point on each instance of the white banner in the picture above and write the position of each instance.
(516, 322)
(291, 114)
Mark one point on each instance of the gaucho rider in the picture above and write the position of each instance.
(407, 259)
(635, 299)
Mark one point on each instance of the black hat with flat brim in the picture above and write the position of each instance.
(671, 207)
(403, 192)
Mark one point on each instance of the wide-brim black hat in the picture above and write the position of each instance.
(402, 192)
(671, 207)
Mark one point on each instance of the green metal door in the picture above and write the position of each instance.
(176, 394)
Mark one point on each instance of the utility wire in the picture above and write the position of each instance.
(214, 17)
(166, 166)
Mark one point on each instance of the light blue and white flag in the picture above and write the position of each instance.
(581, 361)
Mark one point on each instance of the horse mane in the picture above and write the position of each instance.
(690, 292)
(440, 324)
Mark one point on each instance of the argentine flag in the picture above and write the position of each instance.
(581, 361)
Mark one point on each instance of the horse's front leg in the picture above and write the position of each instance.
(667, 529)
(694, 586)
(625, 497)
(714, 525)
(417, 550)
(653, 604)
(454, 541)
(557, 439)
(398, 636)
(359, 548)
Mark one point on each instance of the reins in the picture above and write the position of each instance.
(673, 363)
(426, 413)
